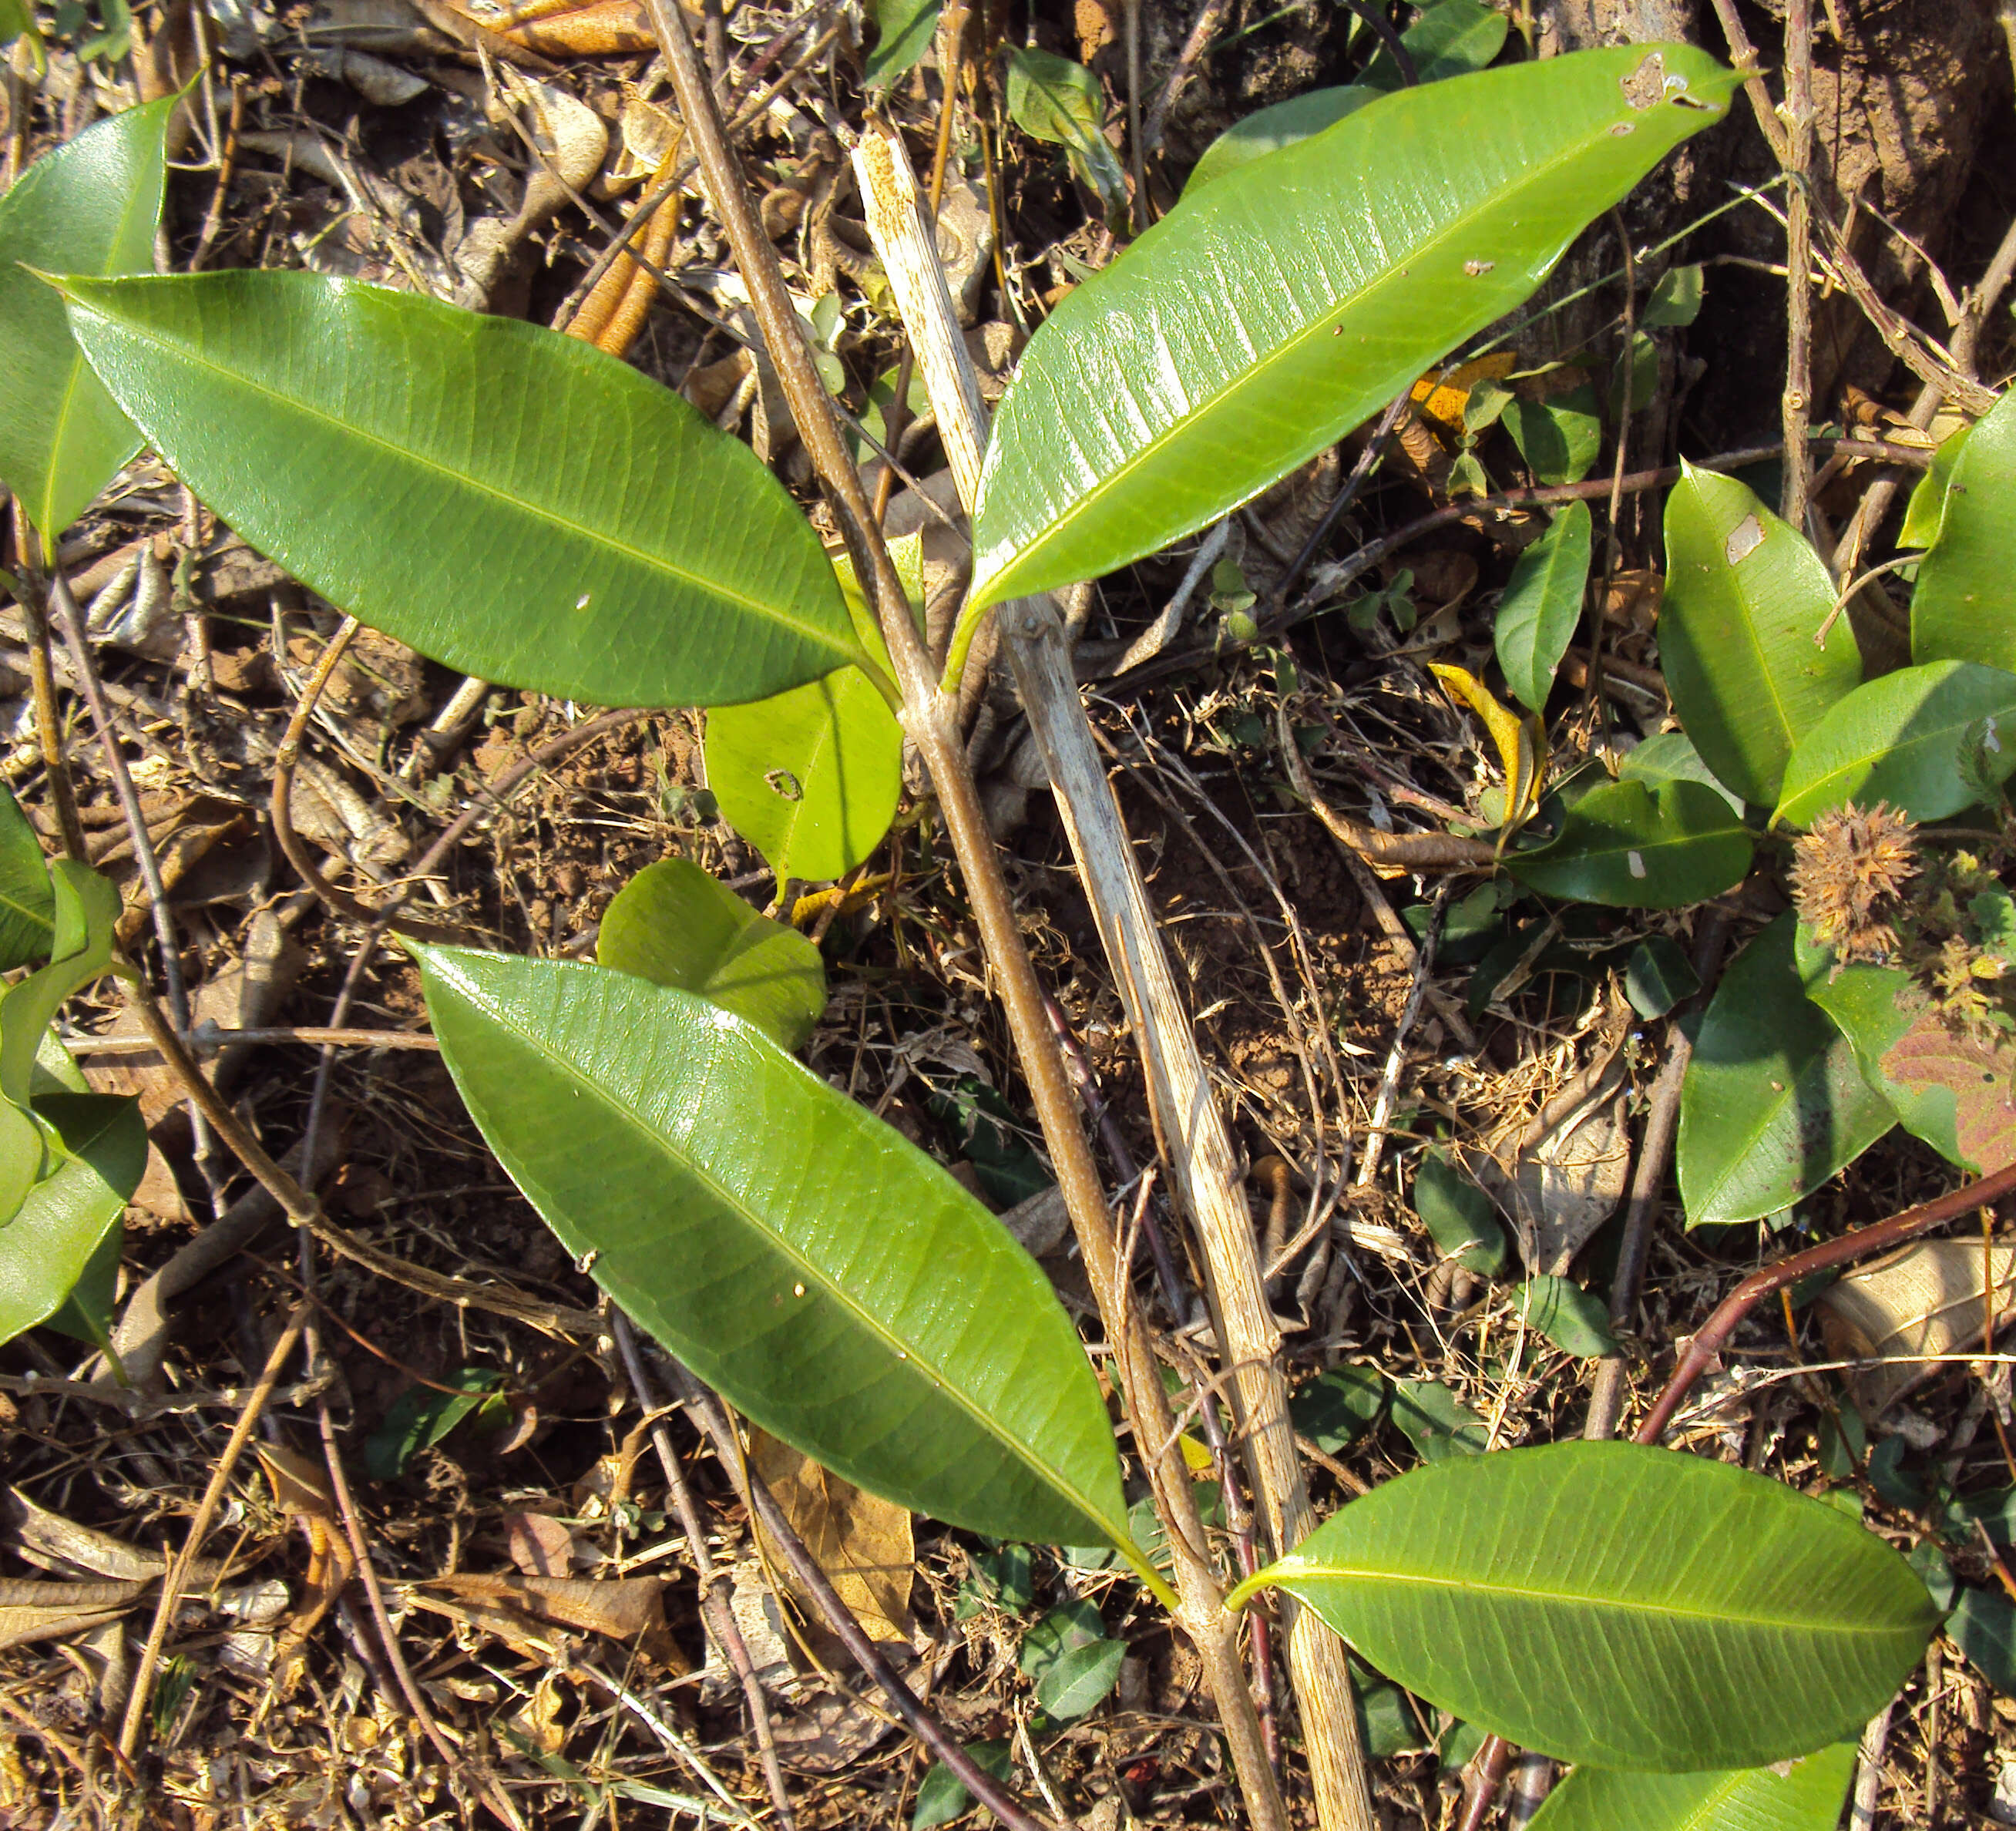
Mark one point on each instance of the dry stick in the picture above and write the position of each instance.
(713, 1416)
(1869, 1770)
(1200, 1150)
(930, 719)
(721, 1621)
(1771, 1279)
(172, 1584)
(1799, 259)
(1743, 54)
(1655, 1152)
(1210, 16)
(41, 676)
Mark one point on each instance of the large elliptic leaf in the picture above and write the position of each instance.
(66, 1217)
(90, 207)
(1806, 1796)
(1266, 316)
(1618, 1605)
(675, 925)
(1925, 514)
(1639, 848)
(1773, 1103)
(1964, 606)
(507, 500)
(1542, 604)
(835, 1283)
(1745, 597)
(27, 908)
(1930, 740)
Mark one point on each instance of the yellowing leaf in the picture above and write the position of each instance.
(1440, 395)
(1521, 741)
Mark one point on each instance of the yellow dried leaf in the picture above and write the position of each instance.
(1521, 741)
(1441, 393)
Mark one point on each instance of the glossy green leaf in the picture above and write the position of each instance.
(1079, 1680)
(674, 924)
(1670, 756)
(1267, 130)
(90, 206)
(810, 778)
(1450, 38)
(1930, 740)
(1560, 438)
(903, 30)
(17, 19)
(420, 1417)
(1053, 99)
(1568, 1316)
(1657, 974)
(1639, 848)
(66, 1218)
(1437, 1423)
(1806, 1797)
(1459, 1216)
(942, 1795)
(834, 1283)
(1925, 514)
(1874, 1008)
(1542, 605)
(1745, 596)
(1062, 1631)
(86, 908)
(1983, 1626)
(1618, 1605)
(1964, 607)
(1265, 317)
(1773, 1104)
(26, 905)
(1337, 1407)
(1676, 301)
(508, 500)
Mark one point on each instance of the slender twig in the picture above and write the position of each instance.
(1351, 488)
(176, 1581)
(1210, 16)
(1799, 259)
(721, 1622)
(1859, 1244)
(42, 678)
(1743, 54)
(1396, 1056)
(208, 1039)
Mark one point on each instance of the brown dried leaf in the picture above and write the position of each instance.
(630, 1608)
(863, 1543)
(47, 1611)
(1928, 1298)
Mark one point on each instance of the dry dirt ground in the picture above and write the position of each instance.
(524, 1564)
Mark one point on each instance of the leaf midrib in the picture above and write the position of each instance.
(909, 1355)
(1392, 275)
(478, 486)
(1349, 1573)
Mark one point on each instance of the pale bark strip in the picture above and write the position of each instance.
(1201, 1156)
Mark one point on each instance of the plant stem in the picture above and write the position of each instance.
(930, 719)
(1798, 258)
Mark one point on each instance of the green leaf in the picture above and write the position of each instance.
(675, 925)
(903, 30)
(1618, 1605)
(1636, 848)
(1676, 301)
(810, 778)
(1903, 738)
(420, 1417)
(1657, 975)
(1564, 1313)
(1264, 317)
(801, 1255)
(1267, 130)
(508, 500)
(1450, 39)
(91, 206)
(1560, 438)
(66, 1218)
(1963, 609)
(1080, 1680)
(1053, 99)
(1459, 1216)
(1806, 1798)
(1077, 1623)
(28, 918)
(1437, 1423)
(1925, 514)
(1336, 1408)
(17, 19)
(1773, 1104)
(942, 1795)
(1745, 596)
(1542, 604)
(1671, 757)
(86, 909)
